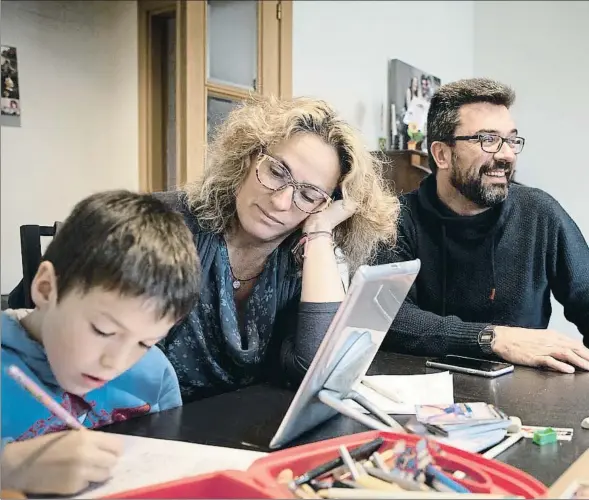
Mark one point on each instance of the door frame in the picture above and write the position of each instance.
(192, 88)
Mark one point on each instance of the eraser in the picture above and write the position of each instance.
(515, 425)
(544, 436)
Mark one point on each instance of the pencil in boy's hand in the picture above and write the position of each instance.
(45, 399)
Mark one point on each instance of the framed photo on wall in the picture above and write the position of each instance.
(409, 93)
(9, 88)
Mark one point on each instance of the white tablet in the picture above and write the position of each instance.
(350, 344)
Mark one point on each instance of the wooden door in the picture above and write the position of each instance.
(197, 60)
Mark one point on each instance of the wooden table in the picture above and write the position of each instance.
(248, 418)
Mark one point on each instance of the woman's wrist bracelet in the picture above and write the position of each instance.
(309, 236)
(316, 234)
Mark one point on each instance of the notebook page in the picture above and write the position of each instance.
(148, 461)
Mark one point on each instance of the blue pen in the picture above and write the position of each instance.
(444, 480)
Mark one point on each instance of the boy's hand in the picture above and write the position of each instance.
(61, 463)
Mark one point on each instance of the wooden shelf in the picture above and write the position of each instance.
(400, 169)
(405, 151)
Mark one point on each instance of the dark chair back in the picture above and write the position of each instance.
(30, 250)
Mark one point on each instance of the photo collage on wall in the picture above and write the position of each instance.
(10, 92)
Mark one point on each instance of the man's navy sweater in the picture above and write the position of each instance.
(495, 268)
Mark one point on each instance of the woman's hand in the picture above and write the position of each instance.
(321, 279)
(328, 220)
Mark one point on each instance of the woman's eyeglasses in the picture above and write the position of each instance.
(272, 174)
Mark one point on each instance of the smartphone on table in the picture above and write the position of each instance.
(472, 366)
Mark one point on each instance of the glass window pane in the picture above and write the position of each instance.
(217, 110)
(232, 48)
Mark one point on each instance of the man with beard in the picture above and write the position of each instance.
(491, 250)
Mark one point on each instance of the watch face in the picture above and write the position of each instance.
(486, 338)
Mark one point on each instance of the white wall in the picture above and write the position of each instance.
(79, 133)
(341, 50)
(542, 50)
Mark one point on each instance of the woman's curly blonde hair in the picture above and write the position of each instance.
(262, 122)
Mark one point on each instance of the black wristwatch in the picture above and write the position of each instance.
(486, 338)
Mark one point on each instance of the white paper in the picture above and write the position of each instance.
(431, 388)
(148, 461)
(562, 433)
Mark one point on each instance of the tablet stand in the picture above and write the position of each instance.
(338, 402)
(338, 388)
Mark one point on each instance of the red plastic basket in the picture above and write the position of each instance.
(486, 476)
(482, 475)
(216, 485)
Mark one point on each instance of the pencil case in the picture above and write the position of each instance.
(479, 475)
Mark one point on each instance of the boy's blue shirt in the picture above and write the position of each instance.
(149, 386)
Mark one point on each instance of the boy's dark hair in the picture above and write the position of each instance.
(443, 115)
(130, 243)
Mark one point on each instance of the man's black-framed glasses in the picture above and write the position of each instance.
(272, 174)
(492, 143)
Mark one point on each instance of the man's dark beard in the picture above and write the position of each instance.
(470, 184)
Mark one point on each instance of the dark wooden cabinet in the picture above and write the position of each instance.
(404, 169)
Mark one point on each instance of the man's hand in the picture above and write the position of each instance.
(542, 348)
(62, 463)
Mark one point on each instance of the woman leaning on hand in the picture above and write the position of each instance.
(281, 175)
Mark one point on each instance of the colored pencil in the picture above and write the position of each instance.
(45, 399)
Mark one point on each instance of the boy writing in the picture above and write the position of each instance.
(120, 272)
